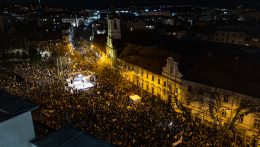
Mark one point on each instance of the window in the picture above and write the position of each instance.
(225, 99)
(147, 75)
(115, 25)
(241, 118)
(170, 87)
(142, 73)
(159, 81)
(147, 87)
(176, 90)
(152, 77)
(257, 123)
(164, 84)
(188, 101)
(171, 70)
(189, 88)
(224, 113)
(153, 90)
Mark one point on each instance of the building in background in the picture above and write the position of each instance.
(178, 79)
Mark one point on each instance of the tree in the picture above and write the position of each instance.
(211, 103)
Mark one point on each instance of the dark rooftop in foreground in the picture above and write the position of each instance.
(69, 137)
(11, 106)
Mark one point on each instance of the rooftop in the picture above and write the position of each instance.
(148, 58)
(69, 137)
(11, 106)
(230, 67)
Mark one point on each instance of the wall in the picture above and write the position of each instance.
(155, 84)
(173, 87)
(17, 131)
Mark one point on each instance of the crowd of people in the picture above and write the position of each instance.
(107, 112)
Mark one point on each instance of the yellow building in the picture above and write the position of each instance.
(157, 72)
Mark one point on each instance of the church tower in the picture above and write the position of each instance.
(113, 34)
(114, 29)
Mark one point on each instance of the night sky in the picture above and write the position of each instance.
(118, 3)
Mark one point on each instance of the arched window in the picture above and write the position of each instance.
(115, 25)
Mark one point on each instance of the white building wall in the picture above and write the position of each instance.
(17, 131)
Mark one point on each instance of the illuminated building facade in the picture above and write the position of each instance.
(158, 72)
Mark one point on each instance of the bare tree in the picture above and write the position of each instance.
(214, 106)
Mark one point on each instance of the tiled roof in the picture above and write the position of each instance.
(148, 58)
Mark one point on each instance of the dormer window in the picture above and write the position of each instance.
(171, 70)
